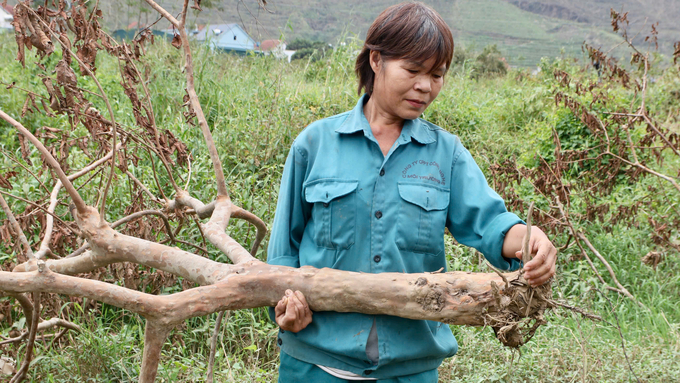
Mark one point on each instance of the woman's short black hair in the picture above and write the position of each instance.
(411, 31)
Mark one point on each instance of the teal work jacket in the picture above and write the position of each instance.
(345, 205)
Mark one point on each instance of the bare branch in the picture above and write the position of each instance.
(183, 15)
(26, 305)
(49, 222)
(184, 199)
(138, 214)
(45, 325)
(93, 165)
(112, 247)
(186, 187)
(108, 246)
(215, 229)
(34, 204)
(644, 168)
(213, 345)
(579, 310)
(17, 229)
(526, 251)
(193, 97)
(238, 212)
(77, 200)
(607, 265)
(21, 374)
(25, 168)
(465, 297)
(580, 237)
(164, 13)
(142, 186)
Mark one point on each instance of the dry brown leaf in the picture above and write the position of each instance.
(4, 179)
(653, 258)
(19, 34)
(46, 107)
(176, 42)
(26, 108)
(65, 75)
(63, 37)
(24, 149)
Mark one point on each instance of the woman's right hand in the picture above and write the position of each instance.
(292, 312)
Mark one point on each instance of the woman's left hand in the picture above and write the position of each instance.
(542, 266)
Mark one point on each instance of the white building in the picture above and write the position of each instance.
(276, 48)
(5, 20)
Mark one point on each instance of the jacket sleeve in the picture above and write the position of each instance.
(292, 212)
(477, 216)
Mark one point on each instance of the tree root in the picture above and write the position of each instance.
(519, 310)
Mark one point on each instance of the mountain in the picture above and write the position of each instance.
(524, 30)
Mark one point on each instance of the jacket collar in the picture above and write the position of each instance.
(356, 121)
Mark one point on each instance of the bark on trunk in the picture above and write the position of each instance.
(154, 337)
(460, 298)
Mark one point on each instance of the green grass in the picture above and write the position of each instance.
(256, 107)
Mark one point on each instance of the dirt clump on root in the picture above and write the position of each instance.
(432, 298)
(518, 311)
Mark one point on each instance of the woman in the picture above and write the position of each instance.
(372, 190)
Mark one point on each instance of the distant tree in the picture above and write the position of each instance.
(489, 63)
(460, 55)
(305, 48)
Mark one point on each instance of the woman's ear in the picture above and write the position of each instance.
(375, 59)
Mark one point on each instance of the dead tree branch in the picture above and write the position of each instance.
(45, 325)
(52, 162)
(21, 373)
(213, 345)
(238, 212)
(17, 229)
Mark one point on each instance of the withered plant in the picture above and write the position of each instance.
(67, 42)
(620, 144)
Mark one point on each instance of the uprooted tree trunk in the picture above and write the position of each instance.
(503, 302)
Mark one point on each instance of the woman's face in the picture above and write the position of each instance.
(404, 88)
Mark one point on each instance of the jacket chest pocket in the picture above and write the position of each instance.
(333, 213)
(422, 218)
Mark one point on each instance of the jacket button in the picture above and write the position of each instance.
(280, 342)
(376, 259)
(382, 172)
(378, 214)
(368, 372)
(325, 204)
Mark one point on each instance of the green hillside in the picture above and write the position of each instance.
(525, 31)
(523, 36)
